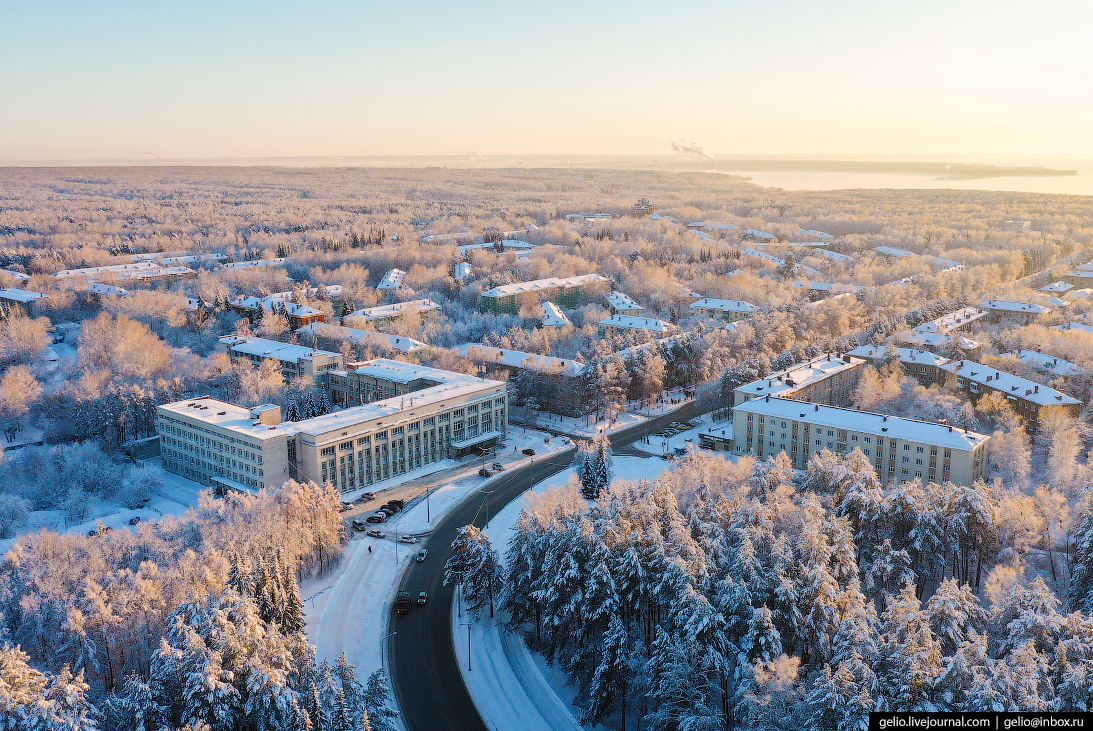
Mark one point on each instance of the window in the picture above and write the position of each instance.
(918, 462)
(906, 447)
(396, 431)
(868, 440)
(853, 437)
(346, 446)
(919, 450)
(430, 421)
(906, 460)
(327, 451)
(905, 471)
(364, 440)
(381, 435)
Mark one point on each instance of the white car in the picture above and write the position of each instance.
(408, 539)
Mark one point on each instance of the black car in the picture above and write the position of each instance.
(376, 517)
(391, 507)
(400, 504)
(484, 472)
(529, 452)
(134, 520)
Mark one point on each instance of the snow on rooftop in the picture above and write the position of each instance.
(1078, 327)
(907, 356)
(392, 279)
(893, 251)
(520, 359)
(935, 339)
(553, 316)
(273, 303)
(21, 295)
(364, 337)
(1057, 287)
(800, 375)
(107, 289)
(892, 427)
(275, 349)
(1010, 384)
(18, 275)
(711, 303)
(396, 309)
(541, 284)
(952, 320)
(835, 255)
(1007, 306)
(631, 322)
(258, 263)
(229, 416)
(620, 301)
(1051, 364)
(763, 255)
(762, 235)
(463, 271)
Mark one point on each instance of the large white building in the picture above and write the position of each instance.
(611, 326)
(413, 418)
(899, 449)
(829, 379)
(727, 310)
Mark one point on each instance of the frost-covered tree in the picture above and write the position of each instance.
(376, 701)
(476, 567)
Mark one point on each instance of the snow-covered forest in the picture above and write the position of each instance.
(731, 594)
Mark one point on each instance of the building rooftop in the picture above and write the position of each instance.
(396, 309)
(1010, 384)
(814, 234)
(1007, 306)
(800, 375)
(907, 356)
(541, 284)
(392, 279)
(553, 316)
(272, 348)
(953, 320)
(1051, 364)
(893, 251)
(1057, 287)
(891, 427)
(509, 245)
(761, 235)
(630, 322)
(109, 289)
(364, 337)
(272, 303)
(935, 339)
(229, 416)
(138, 270)
(763, 255)
(710, 303)
(1080, 274)
(1079, 327)
(621, 301)
(463, 271)
(258, 263)
(21, 295)
(519, 359)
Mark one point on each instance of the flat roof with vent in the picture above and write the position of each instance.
(800, 375)
(227, 416)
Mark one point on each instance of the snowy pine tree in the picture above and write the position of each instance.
(376, 699)
(477, 567)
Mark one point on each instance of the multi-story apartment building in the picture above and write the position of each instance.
(1029, 399)
(297, 315)
(829, 379)
(392, 280)
(553, 316)
(727, 310)
(957, 321)
(941, 342)
(1079, 278)
(22, 299)
(1023, 313)
(899, 449)
(384, 314)
(922, 365)
(611, 326)
(642, 208)
(295, 360)
(623, 304)
(507, 299)
(369, 338)
(424, 417)
(567, 371)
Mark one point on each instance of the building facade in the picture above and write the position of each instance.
(1022, 313)
(432, 415)
(612, 326)
(727, 310)
(829, 379)
(507, 299)
(1029, 399)
(899, 449)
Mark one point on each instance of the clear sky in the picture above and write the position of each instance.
(234, 78)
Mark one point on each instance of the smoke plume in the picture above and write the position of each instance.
(683, 145)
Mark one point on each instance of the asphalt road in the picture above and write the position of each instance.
(425, 676)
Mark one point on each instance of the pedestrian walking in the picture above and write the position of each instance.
(370, 549)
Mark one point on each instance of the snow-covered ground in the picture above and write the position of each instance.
(585, 426)
(667, 445)
(512, 686)
(176, 497)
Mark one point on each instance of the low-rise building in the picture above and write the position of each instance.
(1016, 226)
(386, 314)
(368, 338)
(899, 449)
(391, 280)
(1023, 313)
(957, 321)
(1079, 277)
(922, 365)
(429, 416)
(553, 316)
(295, 360)
(463, 271)
(893, 252)
(508, 299)
(828, 379)
(297, 315)
(22, 299)
(941, 343)
(1057, 287)
(727, 310)
(623, 304)
(1077, 327)
(560, 375)
(612, 326)
(1029, 399)
(1051, 364)
(642, 208)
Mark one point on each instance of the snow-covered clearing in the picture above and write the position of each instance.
(667, 445)
(512, 686)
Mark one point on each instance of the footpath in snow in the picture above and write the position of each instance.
(584, 427)
(513, 687)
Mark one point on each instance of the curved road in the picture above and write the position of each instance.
(424, 673)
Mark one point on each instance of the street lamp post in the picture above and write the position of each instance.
(387, 637)
(396, 539)
(486, 505)
(468, 625)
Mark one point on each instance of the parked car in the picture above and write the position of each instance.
(422, 597)
(343, 506)
(374, 533)
(408, 539)
(359, 524)
(400, 504)
(366, 497)
(134, 520)
(498, 467)
(485, 472)
(376, 517)
(529, 452)
(421, 555)
(394, 506)
(387, 511)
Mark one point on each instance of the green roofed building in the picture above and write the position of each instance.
(507, 299)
